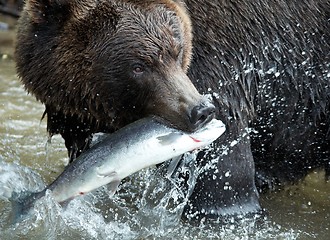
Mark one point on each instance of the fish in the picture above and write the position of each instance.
(141, 144)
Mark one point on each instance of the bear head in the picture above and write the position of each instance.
(111, 62)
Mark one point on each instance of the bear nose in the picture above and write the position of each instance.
(202, 114)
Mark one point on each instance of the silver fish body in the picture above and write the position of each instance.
(144, 143)
(140, 144)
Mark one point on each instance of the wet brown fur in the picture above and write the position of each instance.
(82, 74)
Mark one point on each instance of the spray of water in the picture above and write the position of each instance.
(148, 205)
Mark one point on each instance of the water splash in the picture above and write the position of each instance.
(148, 205)
(17, 178)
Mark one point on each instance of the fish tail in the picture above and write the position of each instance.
(21, 203)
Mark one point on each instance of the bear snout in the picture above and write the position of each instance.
(202, 114)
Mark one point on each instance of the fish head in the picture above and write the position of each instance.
(191, 141)
(209, 133)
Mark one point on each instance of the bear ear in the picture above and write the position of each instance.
(57, 10)
(181, 10)
(42, 10)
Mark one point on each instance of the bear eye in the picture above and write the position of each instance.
(138, 69)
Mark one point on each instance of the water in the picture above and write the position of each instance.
(147, 204)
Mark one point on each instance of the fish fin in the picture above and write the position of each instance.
(173, 165)
(169, 138)
(65, 203)
(112, 186)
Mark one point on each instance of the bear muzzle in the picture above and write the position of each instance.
(201, 114)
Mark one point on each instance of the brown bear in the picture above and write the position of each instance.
(99, 65)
